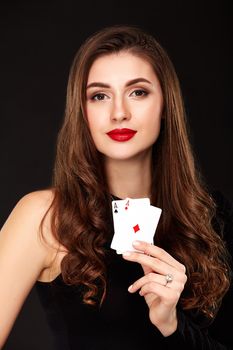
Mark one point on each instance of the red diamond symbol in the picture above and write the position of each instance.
(136, 228)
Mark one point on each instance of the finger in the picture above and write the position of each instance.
(158, 267)
(159, 253)
(150, 277)
(153, 263)
(175, 284)
(169, 295)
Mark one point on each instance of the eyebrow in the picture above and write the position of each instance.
(129, 83)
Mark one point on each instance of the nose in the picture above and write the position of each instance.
(120, 111)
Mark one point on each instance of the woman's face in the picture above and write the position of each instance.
(123, 105)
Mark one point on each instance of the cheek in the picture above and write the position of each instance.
(97, 125)
(149, 114)
(91, 117)
(152, 121)
(96, 115)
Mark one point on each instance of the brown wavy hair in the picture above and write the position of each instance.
(82, 204)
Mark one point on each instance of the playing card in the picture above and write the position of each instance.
(134, 219)
(120, 211)
(141, 225)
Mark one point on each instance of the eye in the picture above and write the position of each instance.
(98, 97)
(139, 93)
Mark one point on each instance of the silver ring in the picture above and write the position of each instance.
(168, 278)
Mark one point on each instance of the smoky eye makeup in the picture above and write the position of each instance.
(137, 92)
(140, 92)
(96, 96)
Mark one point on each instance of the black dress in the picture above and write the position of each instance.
(122, 322)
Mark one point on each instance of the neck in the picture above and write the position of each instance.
(129, 178)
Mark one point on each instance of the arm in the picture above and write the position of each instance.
(192, 332)
(186, 330)
(218, 334)
(22, 256)
(190, 335)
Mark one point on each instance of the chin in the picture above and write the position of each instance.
(117, 157)
(124, 156)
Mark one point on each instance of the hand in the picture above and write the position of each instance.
(160, 295)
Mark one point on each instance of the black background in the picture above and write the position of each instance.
(38, 41)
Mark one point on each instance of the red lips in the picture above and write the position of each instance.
(121, 135)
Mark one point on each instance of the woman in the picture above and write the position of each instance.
(164, 294)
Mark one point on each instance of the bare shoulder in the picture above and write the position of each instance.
(23, 256)
(23, 223)
(39, 200)
(31, 207)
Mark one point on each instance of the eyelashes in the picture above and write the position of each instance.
(140, 93)
(98, 97)
(136, 93)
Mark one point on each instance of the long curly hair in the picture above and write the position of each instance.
(81, 208)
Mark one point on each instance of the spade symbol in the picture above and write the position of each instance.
(115, 208)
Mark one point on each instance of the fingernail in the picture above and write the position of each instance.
(126, 254)
(130, 288)
(136, 243)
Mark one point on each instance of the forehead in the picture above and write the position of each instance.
(120, 66)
